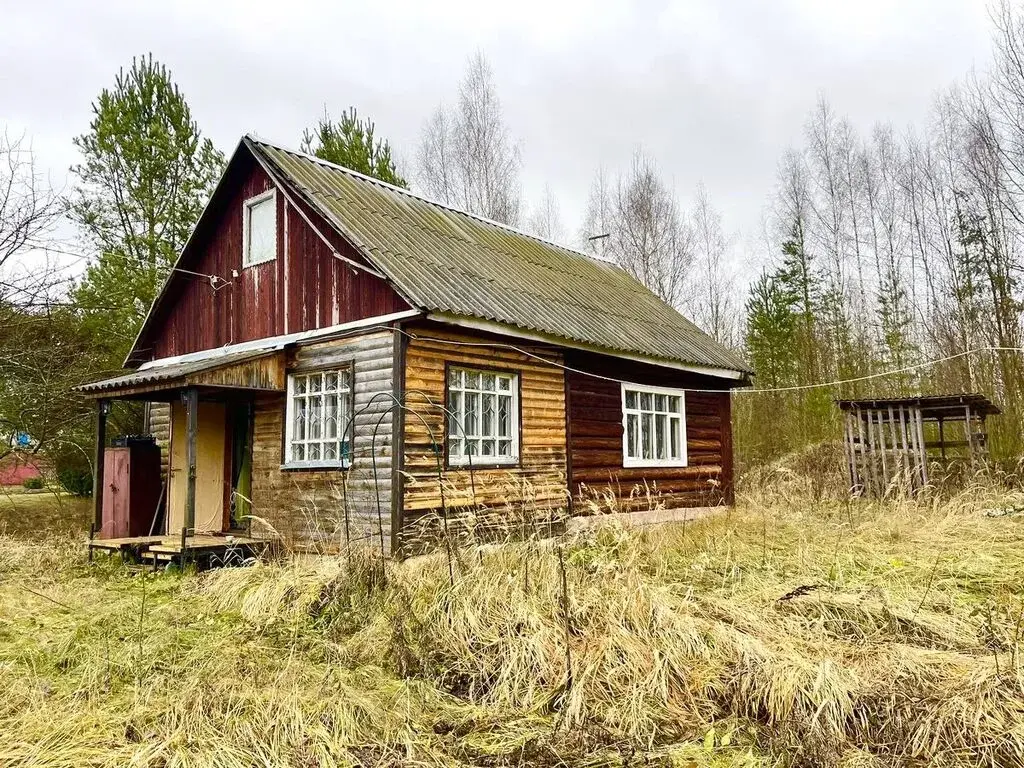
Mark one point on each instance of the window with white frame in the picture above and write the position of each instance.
(259, 229)
(318, 432)
(483, 417)
(654, 427)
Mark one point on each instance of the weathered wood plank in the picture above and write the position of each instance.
(542, 465)
(320, 507)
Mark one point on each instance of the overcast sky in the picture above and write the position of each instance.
(714, 90)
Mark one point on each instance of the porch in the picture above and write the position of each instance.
(199, 549)
(201, 506)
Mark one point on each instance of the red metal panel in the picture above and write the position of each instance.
(131, 490)
(321, 289)
(116, 493)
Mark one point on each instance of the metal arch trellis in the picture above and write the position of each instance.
(405, 407)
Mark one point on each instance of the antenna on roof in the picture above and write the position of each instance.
(602, 237)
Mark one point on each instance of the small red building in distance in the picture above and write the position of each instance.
(17, 467)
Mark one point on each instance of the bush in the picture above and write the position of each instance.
(77, 482)
(33, 484)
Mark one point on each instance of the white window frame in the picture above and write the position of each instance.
(342, 462)
(247, 206)
(640, 389)
(457, 433)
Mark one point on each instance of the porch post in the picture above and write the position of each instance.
(191, 398)
(102, 408)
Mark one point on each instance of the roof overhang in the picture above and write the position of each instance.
(229, 366)
(741, 378)
(262, 370)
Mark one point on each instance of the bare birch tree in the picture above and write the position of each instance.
(29, 209)
(466, 157)
(650, 237)
(546, 219)
(598, 219)
(715, 308)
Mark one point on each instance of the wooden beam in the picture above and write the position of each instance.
(865, 457)
(920, 441)
(907, 453)
(191, 400)
(900, 458)
(915, 457)
(884, 485)
(969, 433)
(851, 452)
(102, 409)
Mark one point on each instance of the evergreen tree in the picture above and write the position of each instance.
(350, 142)
(772, 330)
(145, 175)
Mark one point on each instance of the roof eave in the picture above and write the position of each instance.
(740, 377)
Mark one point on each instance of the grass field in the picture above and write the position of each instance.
(788, 632)
(28, 513)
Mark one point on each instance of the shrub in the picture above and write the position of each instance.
(77, 482)
(33, 484)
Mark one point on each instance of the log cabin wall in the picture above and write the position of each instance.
(304, 288)
(595, 439)
(534, 490)
(308, 506)
(158, 424)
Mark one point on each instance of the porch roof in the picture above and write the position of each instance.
(249, 369)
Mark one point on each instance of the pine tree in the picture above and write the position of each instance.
(145, 175)
(350, 142)
(798, 275)
(773, 330)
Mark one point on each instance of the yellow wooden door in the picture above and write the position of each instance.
(211, 438)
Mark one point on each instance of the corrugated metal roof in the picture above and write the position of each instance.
(170, 372)
(449, 261)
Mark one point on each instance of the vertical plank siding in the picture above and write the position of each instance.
(595, 440)
(535, 488)
(308, 507)
(305, 288)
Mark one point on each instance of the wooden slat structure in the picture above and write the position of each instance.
(202, 550)
(890, 442)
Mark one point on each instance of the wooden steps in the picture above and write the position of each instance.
(204, 550)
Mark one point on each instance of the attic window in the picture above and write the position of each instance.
(259, 229)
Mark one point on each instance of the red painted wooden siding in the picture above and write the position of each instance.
(306, 287)
(594, 435)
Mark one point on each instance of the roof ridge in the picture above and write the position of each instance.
(432, 201)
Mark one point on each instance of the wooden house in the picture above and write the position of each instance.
(332, 353)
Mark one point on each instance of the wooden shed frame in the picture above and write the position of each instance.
(890, 442)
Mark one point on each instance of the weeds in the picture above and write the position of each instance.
(792, 631)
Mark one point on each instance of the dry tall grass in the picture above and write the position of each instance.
(786, 632)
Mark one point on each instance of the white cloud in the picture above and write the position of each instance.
(714, 90)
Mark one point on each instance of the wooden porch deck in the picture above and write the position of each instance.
(205, 550)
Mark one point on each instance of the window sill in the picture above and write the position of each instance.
(299, 465)
(485, 462)
(248, 264)
(641, 464)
